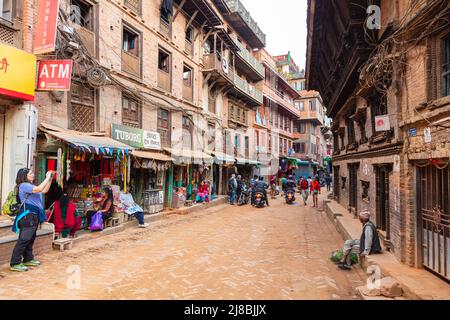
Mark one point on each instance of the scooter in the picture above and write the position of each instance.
(260, 200)
(290, 196)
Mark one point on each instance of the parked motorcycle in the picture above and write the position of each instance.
(290, 196)
(244, 196)
(260, 200)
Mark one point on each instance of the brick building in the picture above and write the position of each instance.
(386, 87)
(186, 72)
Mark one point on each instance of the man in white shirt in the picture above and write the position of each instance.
(131, 208)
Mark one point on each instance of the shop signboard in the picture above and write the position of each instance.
(17, 73)
(152, 140)
(135, 137)
(131, 136)
(54, 75)
(45, 32)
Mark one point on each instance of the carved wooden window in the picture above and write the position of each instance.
(82, 107)
(164, 127)
(445, 76)
(130, 42)
(378, 107)
(6, 7)
(82, 13)
(131, 112)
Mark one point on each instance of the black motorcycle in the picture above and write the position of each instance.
(290, 196)
(260, 200)
(244, 196)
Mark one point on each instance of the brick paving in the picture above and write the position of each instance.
(225, 252)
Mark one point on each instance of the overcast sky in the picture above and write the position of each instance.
(284, 23)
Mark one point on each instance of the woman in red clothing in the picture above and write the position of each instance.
(64, 217)
(315, 190)
(203, 193)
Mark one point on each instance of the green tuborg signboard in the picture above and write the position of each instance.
(128, 135)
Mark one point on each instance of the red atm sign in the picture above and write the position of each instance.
(54, 75)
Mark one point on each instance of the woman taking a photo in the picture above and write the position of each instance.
(107, 206)
(30, 216)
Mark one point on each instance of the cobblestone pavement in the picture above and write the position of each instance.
(226, 252)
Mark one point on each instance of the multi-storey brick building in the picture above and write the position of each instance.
(274, 120)
(184, 70)
(386, 87)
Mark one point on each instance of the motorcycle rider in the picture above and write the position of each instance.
(290, 184)
(252, 188)
(262, 186)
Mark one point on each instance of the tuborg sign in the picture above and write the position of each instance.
(137, 138)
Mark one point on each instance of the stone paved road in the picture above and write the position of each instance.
(280, 252)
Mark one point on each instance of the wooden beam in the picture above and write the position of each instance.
(212, 85)
(205, 81)
(190, 20)
(207, 36)
(178, 10)
(199, 31)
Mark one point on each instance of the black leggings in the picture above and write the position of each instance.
(24, 245)
(90, 214)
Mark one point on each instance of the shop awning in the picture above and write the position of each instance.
(254, 162)
(151, 155)
(221, 158)
(89, 143)
(189, 156)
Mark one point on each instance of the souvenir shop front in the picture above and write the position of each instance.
(223, 167)
(84, 164)
(149, 171)
(190, 168)
(288, 166)
(246, 168)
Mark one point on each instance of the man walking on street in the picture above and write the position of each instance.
(328, 182)
(369, 243)
(232, 187)
(304, 189)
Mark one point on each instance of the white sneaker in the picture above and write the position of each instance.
(145, 225)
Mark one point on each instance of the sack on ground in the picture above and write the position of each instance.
(336, 256)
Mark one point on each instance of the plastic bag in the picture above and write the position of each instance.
(336, 256)
(97, 222)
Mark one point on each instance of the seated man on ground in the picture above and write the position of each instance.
(131, 208)
(369, 243)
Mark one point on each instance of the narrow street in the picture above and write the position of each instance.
(280, 252)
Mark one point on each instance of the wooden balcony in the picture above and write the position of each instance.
(216, 70)
(165, 28)
(188, 93)
(248, 64)
(243, 90)
(131, 64)
(88, 38)
(164, 80)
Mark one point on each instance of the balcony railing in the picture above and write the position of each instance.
(247, 89)
(249, 58)
(88, 38)
(212, 62)
(189, 48)
(187, 93)
(164, 80)
(133, 5)
(131, 64)
(236, 6)
(165, 28)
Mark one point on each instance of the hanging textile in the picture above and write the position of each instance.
(167, 7)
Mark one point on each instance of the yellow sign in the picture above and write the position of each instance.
(17, 73)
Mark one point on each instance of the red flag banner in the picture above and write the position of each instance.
(47, 20)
